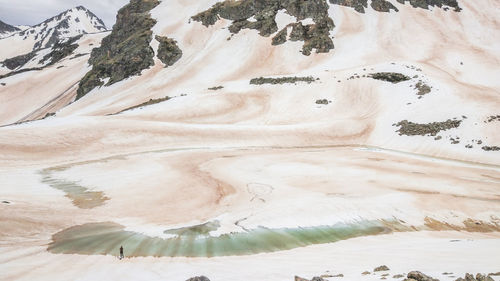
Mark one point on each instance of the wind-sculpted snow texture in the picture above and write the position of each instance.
(247, 160)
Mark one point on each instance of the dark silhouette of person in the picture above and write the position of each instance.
(121, 252)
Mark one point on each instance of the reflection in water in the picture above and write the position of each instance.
(79, 195)
(106, 238)
(195, 229)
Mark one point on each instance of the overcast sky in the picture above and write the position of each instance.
(31, 12)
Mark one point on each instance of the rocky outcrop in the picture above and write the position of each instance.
(61, 50)
(479, 277)
(423, 89)
(168, 51)
(147, 103)
(419, 276)
(381, 268)
(386, 6)
(383, 6)
(490, 148)
(415, 129)
(281, 80)
(425, 4)
(7, 28)
(358, 5)
(392, 77)
(261, 16)
(198, 278)
(126, 51)
(18, 61)
(297, 278)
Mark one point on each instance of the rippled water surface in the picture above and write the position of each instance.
(106, 238)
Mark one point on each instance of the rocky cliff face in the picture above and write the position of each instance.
(7, 29)
(315, 36)
(126, 51)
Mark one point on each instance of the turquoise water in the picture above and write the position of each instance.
(79, 195)
(106, 239)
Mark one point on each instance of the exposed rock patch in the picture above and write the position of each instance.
(423, 89)
(323, 101)
(381, 268)
(126, 51)
(61, 50)
(315, 36)
(149, 102)
(479, 277)
(419, 276)
(413, 129)
(358, 5)
(281, 80)
(168, 51)
(198, 278)
(383, 6)
(426, 4)
(216, 88)
(392, 77)
(490, 148)
(492, 118)
(18, 61)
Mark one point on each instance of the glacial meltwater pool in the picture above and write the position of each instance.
(106, 239)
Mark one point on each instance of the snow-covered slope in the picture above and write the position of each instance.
(195, 141)
(70, 23)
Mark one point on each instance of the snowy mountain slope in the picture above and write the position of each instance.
(259, 124)
(461, 69)
(70, 23)
(49, 88)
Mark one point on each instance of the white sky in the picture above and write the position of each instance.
(31, 12)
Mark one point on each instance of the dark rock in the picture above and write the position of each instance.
(481, 277)
(381, 268)
(4, 28)
(322, 101)
(315, 36)
(216, 88)
(365, 273)
(383, 6)
(317, 279)
(61, 50)
(358, 5)
(413, 129)
(168, 51)
(419, 276)
(280, 37)
(150, 102)
(398, 276)
(425, 4)
(198, 278)
(491, 148)
(422, 88)
(18, 61)
(493, 118)
(281, 80)
(389, 77)
(126, 51)
(297, 278)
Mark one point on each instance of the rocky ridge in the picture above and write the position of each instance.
(126, 51)
(7, 29)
